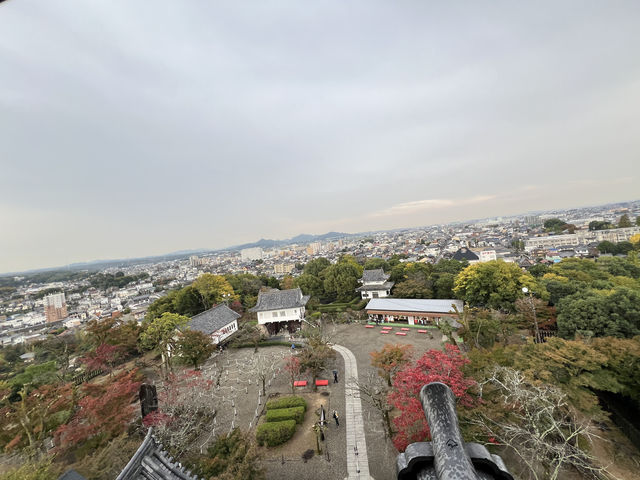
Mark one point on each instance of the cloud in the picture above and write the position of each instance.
(419, 206)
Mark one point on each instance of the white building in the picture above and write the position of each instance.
(614, 235)
(487, 255)
(374, 284)
(219, 322)
(278, 309)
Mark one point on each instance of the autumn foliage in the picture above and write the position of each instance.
(103, 413)
(433, 366)
(105, 357)
(391, 359)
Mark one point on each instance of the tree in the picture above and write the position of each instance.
(635, 241)
(528, 308)
(248, 333)
(213, 289)
(495, 284)
(287, 283)
(107, 462)
(247, 286)
(624, 221)
(231, 457)
(517, 245)
(376, 263)
(314, 358)
(310, 285)
(443, 285)
(599, 225)
(44, 469)
(36, 376)
(607, 247)
(60, 348)
(416, 281)
(185, 411)
(412, 289)
(433, 366)
(375, 391)
(194, 347)
(390, 360)
(160, 306)
(483, 328)
(39, 411)
(189, 302)
(161, 334)
(539, 426)
(341, 279)
(615, 314)
(105, 412)
(105, 357)
(316, 267)
(555, 225)
(293, 368)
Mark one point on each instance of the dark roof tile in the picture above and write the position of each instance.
(213, 319)
(278, 299)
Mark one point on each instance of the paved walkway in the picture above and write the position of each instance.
(357, 459)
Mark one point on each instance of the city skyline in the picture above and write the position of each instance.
(132, 132)
(288, 241)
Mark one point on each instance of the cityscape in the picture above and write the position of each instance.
(522, 239)
(326, 240)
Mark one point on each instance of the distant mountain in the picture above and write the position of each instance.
(302, 238)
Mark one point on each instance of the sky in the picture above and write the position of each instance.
(140, 128)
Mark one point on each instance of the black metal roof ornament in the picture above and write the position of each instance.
(447, 456)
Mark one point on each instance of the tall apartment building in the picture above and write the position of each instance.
(314, 248)
(55, 307)
(196, 261)
(283, 268)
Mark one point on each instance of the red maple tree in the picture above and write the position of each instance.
(105, 411)
(105, 357)
(433, 366)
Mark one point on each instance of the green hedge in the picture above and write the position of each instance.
(286, 402)
(275, 433)
(281, 414)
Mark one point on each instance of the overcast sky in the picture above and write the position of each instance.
(134, 128)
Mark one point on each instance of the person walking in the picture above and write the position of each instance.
(335, 376)
(335, 417)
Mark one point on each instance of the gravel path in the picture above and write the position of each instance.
(357, 458)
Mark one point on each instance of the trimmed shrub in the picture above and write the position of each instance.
(286, 402)
(275, 433)
(281, 414)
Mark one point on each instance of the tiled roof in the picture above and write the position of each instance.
(374, 276)
(71, 475)
(151, 462)
(279, 299)
(414, 305)
(384, 286)
(465, 254)
(213, 319)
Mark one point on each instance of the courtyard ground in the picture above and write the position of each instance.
(236, 375)
(361, 341)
